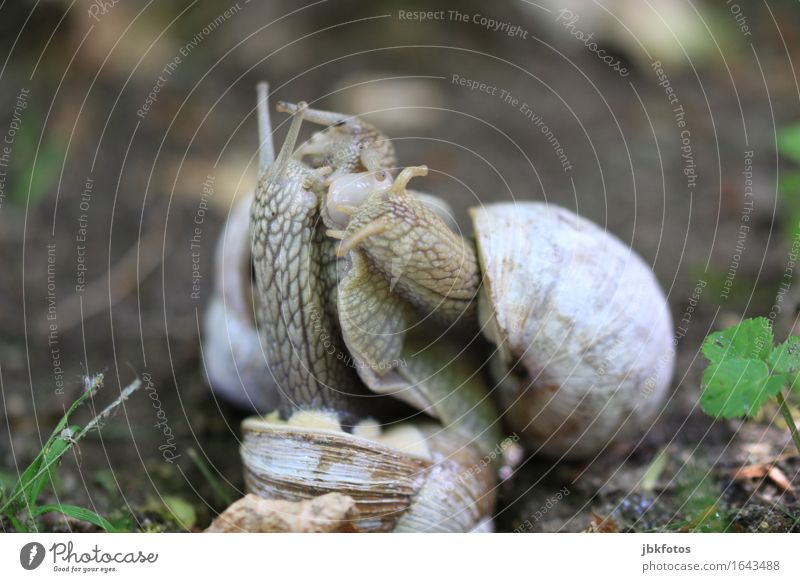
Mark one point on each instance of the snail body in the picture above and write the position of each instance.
(363, 292)
(299, 304)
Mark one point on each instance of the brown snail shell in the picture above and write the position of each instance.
(407, 478)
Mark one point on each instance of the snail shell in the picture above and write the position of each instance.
(235, 365)
(583, 335)
(416, 478)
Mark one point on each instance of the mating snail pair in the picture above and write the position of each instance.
(360, 333)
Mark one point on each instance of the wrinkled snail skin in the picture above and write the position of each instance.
(293, 286)
(406, 277)
(428, 264)
(235, 362)
(583, 334)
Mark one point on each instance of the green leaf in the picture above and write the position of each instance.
(738, 387)
(785, 360)
(79, 513)
(789, 142)
(751, 339)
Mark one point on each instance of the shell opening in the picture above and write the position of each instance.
(403, 437)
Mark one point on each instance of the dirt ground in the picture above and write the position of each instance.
(100, 248)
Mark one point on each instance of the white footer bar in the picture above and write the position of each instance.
(407, 558)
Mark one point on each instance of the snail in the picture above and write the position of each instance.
(365, 295)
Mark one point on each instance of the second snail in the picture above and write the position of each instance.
(387, 355)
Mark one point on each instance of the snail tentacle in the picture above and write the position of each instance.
(266, 148)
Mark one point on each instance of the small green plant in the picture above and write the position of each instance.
(21, 506)
(702, 508)
(747, 369)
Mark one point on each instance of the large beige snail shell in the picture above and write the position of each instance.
(407, 478)
(583, 335)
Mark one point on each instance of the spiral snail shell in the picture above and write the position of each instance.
(583, 335)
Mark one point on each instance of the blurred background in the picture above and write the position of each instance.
(129, 132)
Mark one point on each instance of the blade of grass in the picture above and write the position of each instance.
(40, 480)
(201, 465)
(79, 513)
(787, 416)
(654, 470)
(46, 463)
(36, 473)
